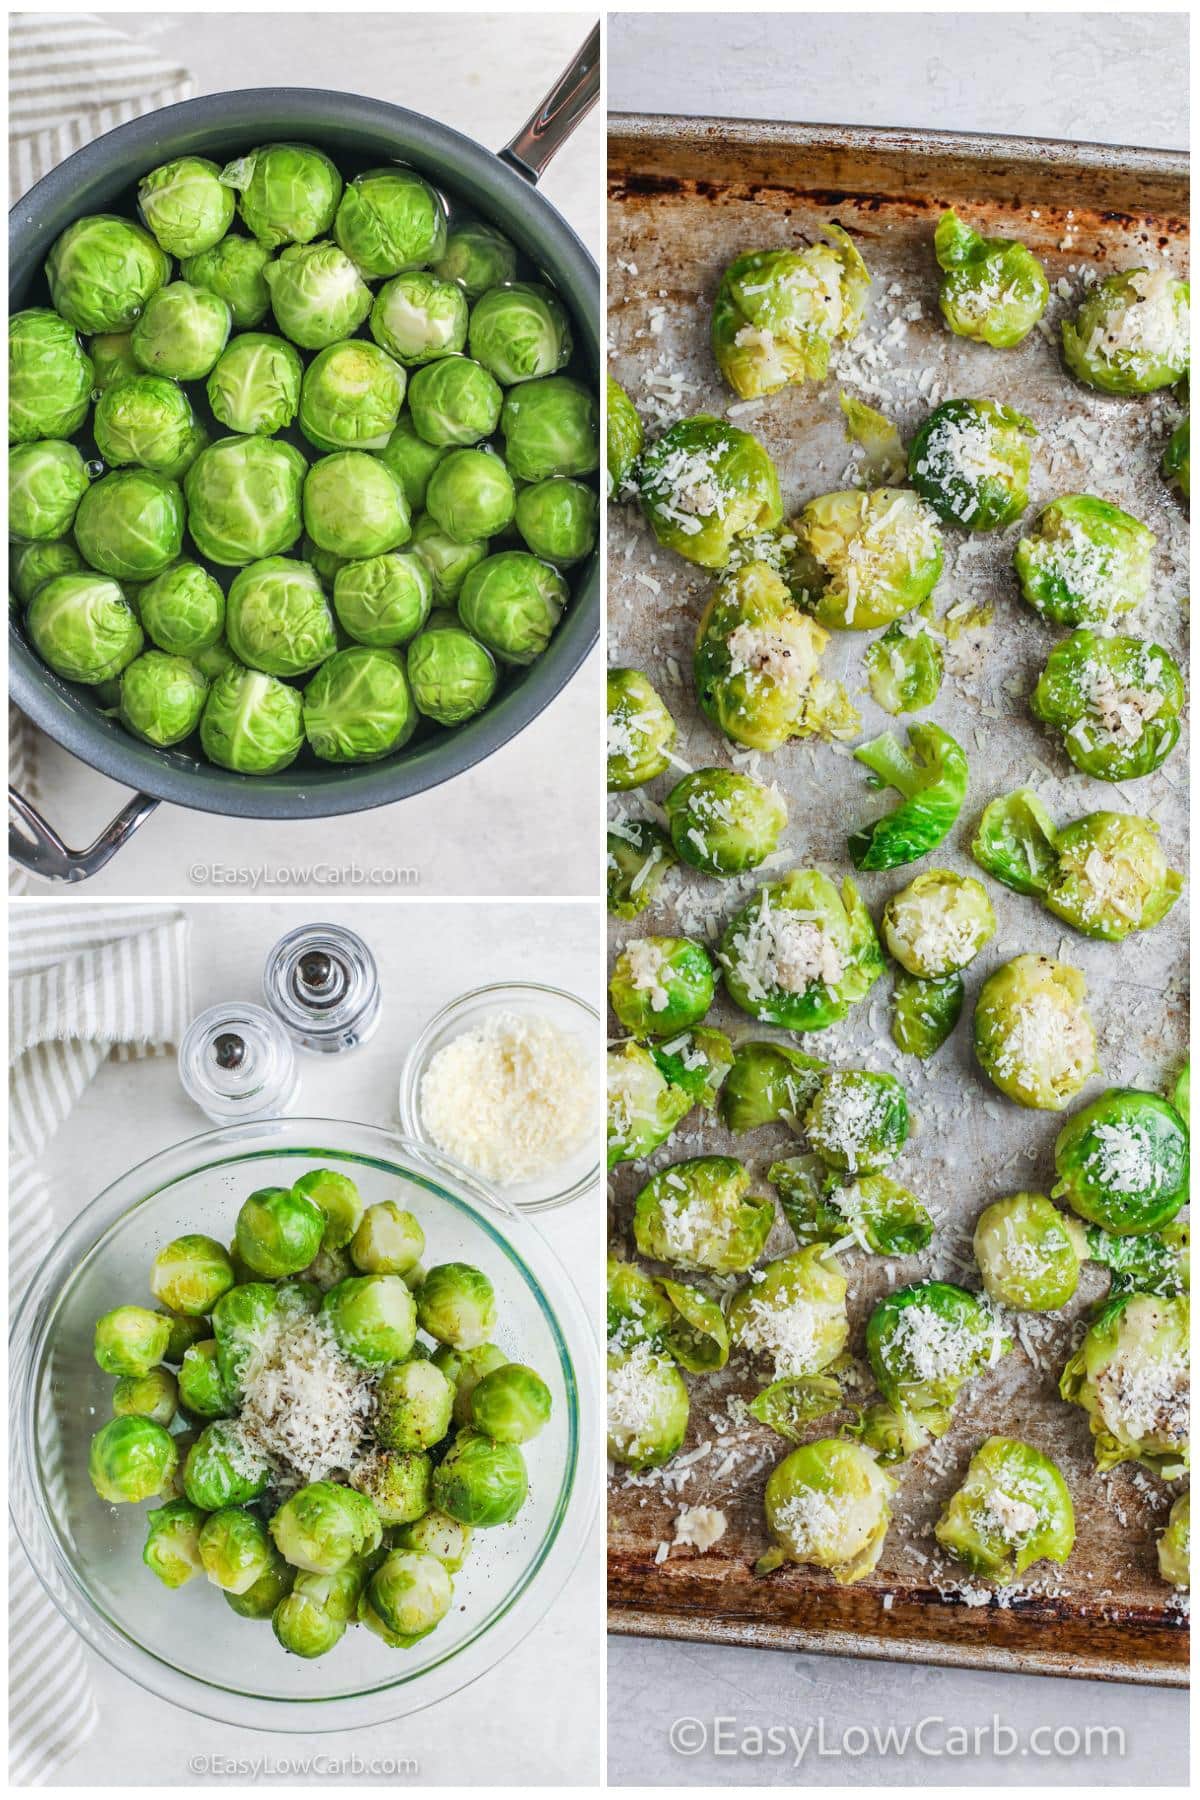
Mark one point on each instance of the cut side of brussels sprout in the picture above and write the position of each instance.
(801, 952)
(1034, 1037)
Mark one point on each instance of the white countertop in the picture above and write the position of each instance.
(533, 1719)
(1116, 78)
(482, 74)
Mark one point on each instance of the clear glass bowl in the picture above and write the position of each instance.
(571, 1014)
(187, 1646)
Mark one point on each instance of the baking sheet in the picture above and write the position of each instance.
(685, 196)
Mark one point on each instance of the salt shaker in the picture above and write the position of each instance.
(322, 985)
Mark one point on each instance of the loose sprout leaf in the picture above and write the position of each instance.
(697, 1337)
(925, 1012)
(794, 1402)
(931, 777)
(886, 461)
(1016, 841)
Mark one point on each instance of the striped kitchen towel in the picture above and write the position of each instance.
(86, 982)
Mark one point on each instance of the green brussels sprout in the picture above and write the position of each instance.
(436, 1534)
(828, 1503)
(152, 1396)
(418, 317)
(857, 1120)
(1116, 701)
(277, 617)
(767, 1082)
(625, 441)
(640, 731)
(130, 524)
(185, 205)
(471, 496)
(221, 1468)
(696, 1061)
(202, 1388)
(864, 558)
(251, 723)
(112, 358)
(350, 397)
(520, 331)
(904, 668)
(930, 776)
(789, 1405)
(1029, 1254)
(698, 1215)
(413, 1404)
(639, 854)
(234, 1549)
(449, 563)
(190, 1274)
(778, 313)
(304, 1628)
(390, 220)
(1157, 1262)
(239, 1320)
(558, 520)
(1177, 457)
(1017, 842)
(287, 193)
(511, 602)
(697, 1335)
(216, 660)
(892, 1434)
(102, 271)
(466, 1369)
(146, 419)
(172, 1548)
(162, 698)
(184, 1332)
(82, 628)
(1174, 1546)
(183, 610)
(354, 506)
(261, 1598)
(130, 1340)
(1131, 1376)
(925, 1341)
(396, 1482)
(1131, 334)
(792, 1313)
(254, 387)
(387, 1240)
(50, 377)
(510, 1404)
(800, 952)
(704, 484)
(639, 1311)
(47, 481)
(479, 1482)
(970, 461)
(181, 332)
(131, 1459)
(359, 706)
(875, 1212)
(373, 1318)
(1123, 1162)
(1033, 1036)
(938, 923)
(457, 1306)
(407, 1596)
(1111, 877)
(30, 566)
(643, 1106)
(454, 402)
(550, 427)
(723, 822)
(478, 257)
(1084, 562)
(1012, 1510)
(340, 1203)
(993, 290)
(411, 460)
(661, 985)
(924, 1013)
(279, 1231)
(317, 295)
(757, 665)
(234, 270)
(321, 1526)
(647, 1408)
(243, 499)
(451, 674)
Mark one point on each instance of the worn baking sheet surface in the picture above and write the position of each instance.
(685, 197)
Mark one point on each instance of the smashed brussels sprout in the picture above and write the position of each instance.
(698, 1214)
(1029, 1254)
(723, 822)
(792, 1313)
(1034, 1037)
(970, 460)
(1012, 1510)
(1123, 1162)
(767, 1081)
(857, 1120)
(904, 668)
(625, 440)
(638, 855)
(938, 923)
(925, 1341)
(828, 1503)
(993, 290)
(1177, 458)
(873, 1212)
(1115, 700)
(1131, 334)
(778, 313)
(1174, 1546)
(1084, 562)
(643, 1106)
(800, 952)
(647, 1408)
(864, 559)
(1131, 1376)
(660, 985)
(640, 731)
(705, 483)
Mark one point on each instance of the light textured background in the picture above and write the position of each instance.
(482, 74)
(535, 1719)
(1043, 75)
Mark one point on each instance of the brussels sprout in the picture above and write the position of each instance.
(131, 1459)
(697, 1214)
(885, 462)
(1111, 877)
(479, 1482)
(183, 610)
(1123, 1162)
(449, 563)
(261, 1598)
(1084, 562)
(778, 313)
(277, 617)
(1174, 1546)
(1131, 334)
(466, 1369)
(938, 923)
(1028, 1253)
(234, 1549)
(1012, 1510)
(146, 419)
(287, 193)
(354, 506)
(1131, 1376)
(327, 1268)
(511, 1404)
(558, 520)
(857, 1120)
(436, 1534)
(457, 1306)
(305, 1628)
(931, 777)
(800, 952)
(350, 397)
(172, 1548)
(704, 484)
(767, 1082)
(373, 1318)
(510, 602)
(993, 290)
(317, 295)
(1177, 457)
(1017, 842)
(454, 402)
(451, 674)
(339, 1201)
(255, 385)
(185, 205)
(243, 499)
(102, 271)
(130, 1340)
(723, 822)
(162, 698)
(50, 377)
(640, 731)
(184, 1332)
(551, 427)
(625, 440)
(643, 1106)
(471, 496)
(153, 1396)
(904, 668)
(221, 1468)
(251, 723)
(789, 1405)
(925, 1341)
(1116, 700)
(202, 1388)
(30, 566)
(478, 257)
(181, 332)
(321, 1526)
(112, 358)
(190, 1274)
(520, 331)
(696, 1061)
(647, 1408)
(828, 1503)
(924, 1013)
(970, 461)
(396, 1482)
(130, 524)
(387, 1240)
(411, 460)
(639, 854)
(697, 1335)
(1033, 1036)
(82, 628)
(639, 1310)
(877, 1213)
(390, 220)
(239, 1320)
(660, 985)
(792, 1313)
(1157, 1262)
(418, 317)
(298, 1298)
(47, 481)
(407, 1596)
(864, 559)
(279, 1231)
(413, 1404)
(234, 270)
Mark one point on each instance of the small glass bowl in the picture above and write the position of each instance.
(571, 1014)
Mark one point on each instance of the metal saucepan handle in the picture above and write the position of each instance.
(34, 843)
(551, 123)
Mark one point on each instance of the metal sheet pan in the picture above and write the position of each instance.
(685, 195)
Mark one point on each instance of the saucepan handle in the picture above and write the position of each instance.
(551, 123)
(34, 843)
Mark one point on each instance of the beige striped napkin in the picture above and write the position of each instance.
(85, 983)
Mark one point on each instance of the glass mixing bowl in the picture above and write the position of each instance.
(187, 1645)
